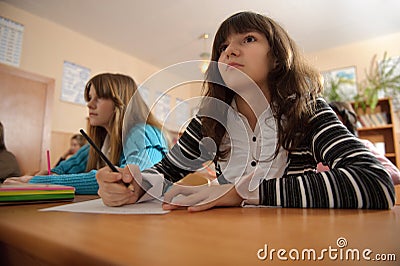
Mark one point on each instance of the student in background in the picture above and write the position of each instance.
(107, 96)
(348, 117)
(8, 164)
(76, 142)
(288, 129)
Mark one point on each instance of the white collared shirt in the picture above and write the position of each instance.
(251, 153)
(250, 159)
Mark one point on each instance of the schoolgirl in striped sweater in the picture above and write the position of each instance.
(264, 126)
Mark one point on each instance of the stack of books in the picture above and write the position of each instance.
(373, 120)
(26, 193)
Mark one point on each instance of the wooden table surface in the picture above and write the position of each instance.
(223, 236)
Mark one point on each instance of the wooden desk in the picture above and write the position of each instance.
(226, 236)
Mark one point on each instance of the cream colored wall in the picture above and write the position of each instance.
(356, 54)
(45, 47)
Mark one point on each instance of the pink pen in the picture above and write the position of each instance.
(48, 162)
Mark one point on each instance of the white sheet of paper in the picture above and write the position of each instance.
(97, 206)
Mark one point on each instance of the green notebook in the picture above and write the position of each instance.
(23, 193)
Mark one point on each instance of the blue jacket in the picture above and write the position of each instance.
(143, 146)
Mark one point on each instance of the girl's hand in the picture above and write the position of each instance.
(18, 180)
(113, 191)
(201, 198)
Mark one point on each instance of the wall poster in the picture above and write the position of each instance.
(73, 84)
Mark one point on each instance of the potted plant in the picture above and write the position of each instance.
(333, 88)
(382, 79)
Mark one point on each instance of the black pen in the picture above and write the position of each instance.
(105, 159)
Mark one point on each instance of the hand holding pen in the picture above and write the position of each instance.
(112, 192)
(111, 180)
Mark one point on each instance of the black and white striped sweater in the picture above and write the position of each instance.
(356, 179)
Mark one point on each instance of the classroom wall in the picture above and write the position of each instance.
(46, 45)
(357, 54)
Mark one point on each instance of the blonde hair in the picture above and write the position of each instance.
(79, 138)
(120, 89)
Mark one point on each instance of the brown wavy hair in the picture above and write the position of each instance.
(292, 82)
(120, 88)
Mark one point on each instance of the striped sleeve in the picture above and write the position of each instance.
(186, 156)
(356, 179)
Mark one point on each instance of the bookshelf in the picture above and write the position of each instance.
(379, 126)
